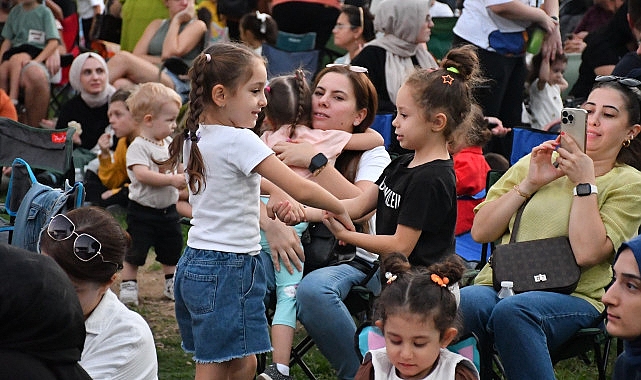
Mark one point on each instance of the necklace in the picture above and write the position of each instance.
(161, 143)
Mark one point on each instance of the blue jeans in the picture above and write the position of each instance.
(325, 317)
(524, 328)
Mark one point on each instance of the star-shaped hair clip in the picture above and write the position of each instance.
(447, 79)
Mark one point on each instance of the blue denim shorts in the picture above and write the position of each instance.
(182, 87)
(219, 305)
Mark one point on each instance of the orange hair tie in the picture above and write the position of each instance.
(440, 281)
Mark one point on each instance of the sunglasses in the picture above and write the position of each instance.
(85, 246)
(356, 69)
(629, 82)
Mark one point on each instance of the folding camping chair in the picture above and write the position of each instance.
(30, 205)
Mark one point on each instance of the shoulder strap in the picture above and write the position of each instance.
(517, 220)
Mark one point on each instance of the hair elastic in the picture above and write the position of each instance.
(193, 136)
(263, 19)
(453, 70)
(441, 281)
(390, 277)
(207, 57)
(447, 79)
(268, 89)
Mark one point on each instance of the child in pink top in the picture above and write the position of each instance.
(287, 116)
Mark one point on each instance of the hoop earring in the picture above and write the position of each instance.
(626, 143)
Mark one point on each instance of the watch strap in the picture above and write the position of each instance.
(593, 189)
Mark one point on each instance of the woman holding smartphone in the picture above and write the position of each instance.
(590, 197)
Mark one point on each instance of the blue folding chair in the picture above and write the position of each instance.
(527, 138)
(281, 62)
(383, 125)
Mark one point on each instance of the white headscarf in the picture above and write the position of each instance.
(92, 100)
(400, 21)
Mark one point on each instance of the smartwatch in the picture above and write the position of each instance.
(585, 189)
(317, 164)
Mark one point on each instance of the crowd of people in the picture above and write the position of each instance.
(183, 123)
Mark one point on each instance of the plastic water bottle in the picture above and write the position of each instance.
(506, 289)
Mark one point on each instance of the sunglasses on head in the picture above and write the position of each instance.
(85, 246)
(629, 82)
(356, 69)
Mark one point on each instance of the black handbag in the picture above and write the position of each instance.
(322, 249)
(542, 264)
(106, 27)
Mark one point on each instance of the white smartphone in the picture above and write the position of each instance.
(574, 122)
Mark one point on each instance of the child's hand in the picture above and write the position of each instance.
(104, 142)
(286, 213)
(278, 197)
(178, 181)
(343, 219)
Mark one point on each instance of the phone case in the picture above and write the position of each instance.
(574, 122)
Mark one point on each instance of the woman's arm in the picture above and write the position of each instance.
(177, 43)
(300, 154)
(370, 139)
(142, 46)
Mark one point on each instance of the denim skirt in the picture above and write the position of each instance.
(219, 305)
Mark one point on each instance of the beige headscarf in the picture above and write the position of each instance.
(92, 100)
(401, 21)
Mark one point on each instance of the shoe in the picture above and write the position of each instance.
(129, 293)
(272, 373)
(169, 289)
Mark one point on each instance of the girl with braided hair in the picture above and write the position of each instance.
(417, 313)
(220, 280)
(288, 115)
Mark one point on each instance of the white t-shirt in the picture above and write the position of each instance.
(143, 152)
(85, 8)
(445, 369)
(370, 167)
(119, 344)
(545, 105)
(226, 211)
(477, 22)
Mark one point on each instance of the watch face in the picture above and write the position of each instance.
(583, 189)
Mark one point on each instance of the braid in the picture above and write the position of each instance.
(195, 166)
(299, 80)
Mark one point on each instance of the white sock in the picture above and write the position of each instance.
(282, 368)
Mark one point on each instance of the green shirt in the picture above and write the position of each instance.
(548, 213)
(34, 27)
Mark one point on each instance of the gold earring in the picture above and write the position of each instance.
(626, 143)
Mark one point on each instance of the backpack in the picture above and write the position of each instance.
(30, 204)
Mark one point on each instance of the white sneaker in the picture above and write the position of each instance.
(129, 293)
(169, 289)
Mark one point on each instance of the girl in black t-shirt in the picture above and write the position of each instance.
(416, 198)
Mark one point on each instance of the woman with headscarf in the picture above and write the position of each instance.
(42, 330)
(623, 300)
(391, 58)
(89, 76)
(87, 111)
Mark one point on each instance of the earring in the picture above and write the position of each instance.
(626, 143)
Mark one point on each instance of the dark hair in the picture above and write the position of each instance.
(535, 65)
(263, 30)
(448, 89)
(226, 63)
(477, 132)
(634, 10)
(289, 101)
(630, 154)
(100, 224)
(121, 94)
(366, 98)
(415, 291)
(353, 14)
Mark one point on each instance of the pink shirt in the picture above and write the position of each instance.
(330, 143)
